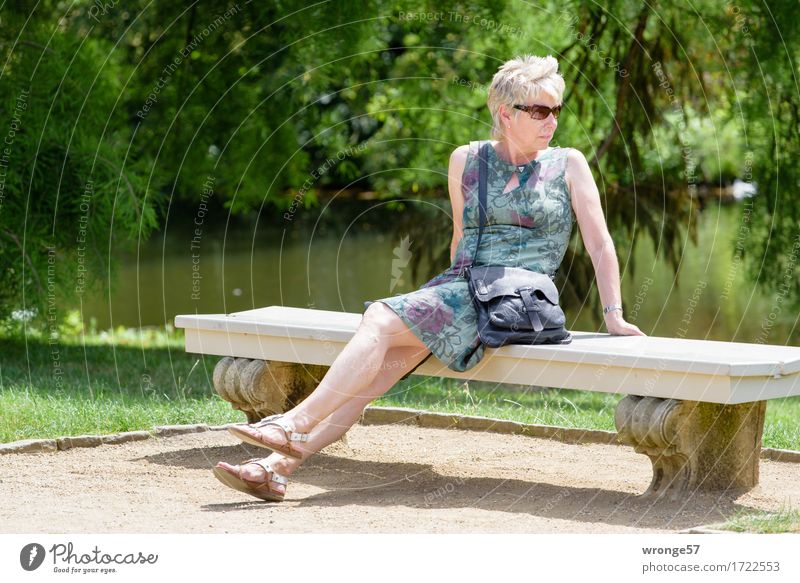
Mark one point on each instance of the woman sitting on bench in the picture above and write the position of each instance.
(535, 194)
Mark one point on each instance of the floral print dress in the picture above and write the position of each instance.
(529, 226)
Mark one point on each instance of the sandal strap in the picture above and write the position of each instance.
(279, 421)
(272, 475)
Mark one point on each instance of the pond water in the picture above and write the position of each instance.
(339, 268)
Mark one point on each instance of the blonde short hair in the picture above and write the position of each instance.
(521, 78)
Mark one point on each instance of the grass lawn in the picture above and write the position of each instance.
(787, 520)
(562, 407)
(129, 379)
(105, 383)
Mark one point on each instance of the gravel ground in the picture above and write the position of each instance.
(386, 478)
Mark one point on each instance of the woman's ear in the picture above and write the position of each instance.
(505, 115)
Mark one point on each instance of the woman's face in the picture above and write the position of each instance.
(528, 133)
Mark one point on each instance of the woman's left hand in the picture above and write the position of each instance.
(617, 325)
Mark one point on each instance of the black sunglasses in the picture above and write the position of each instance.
(539, 111)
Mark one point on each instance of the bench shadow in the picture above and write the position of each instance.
(350, 482)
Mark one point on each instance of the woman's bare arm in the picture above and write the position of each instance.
(458, 160)
(597, 240)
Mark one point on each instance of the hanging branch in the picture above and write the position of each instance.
(622, 92)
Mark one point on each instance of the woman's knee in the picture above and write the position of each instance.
(380, 321)
(379, 318)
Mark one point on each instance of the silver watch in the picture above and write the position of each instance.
(611, 308)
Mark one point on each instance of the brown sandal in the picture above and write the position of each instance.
(250, 434)
(233, 479)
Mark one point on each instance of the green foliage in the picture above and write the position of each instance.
(276, 103)
(70, 188)
(769, 105)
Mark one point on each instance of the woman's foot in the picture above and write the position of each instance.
(265, 478)
(275, 432)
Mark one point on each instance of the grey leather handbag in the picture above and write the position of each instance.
(514, 305)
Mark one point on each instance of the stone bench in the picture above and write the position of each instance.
(694, 407)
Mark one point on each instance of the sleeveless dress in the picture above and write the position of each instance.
(529, 226)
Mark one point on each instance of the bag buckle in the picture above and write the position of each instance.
(531, 309)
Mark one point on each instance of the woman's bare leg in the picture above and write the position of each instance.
(399, 360)
(353, 371)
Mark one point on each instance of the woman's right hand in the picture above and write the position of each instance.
(617, 325)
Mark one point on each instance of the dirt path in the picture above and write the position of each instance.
(388, 478)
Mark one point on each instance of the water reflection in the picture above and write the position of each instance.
(338, 269)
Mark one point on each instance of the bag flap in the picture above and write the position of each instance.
(491, 281)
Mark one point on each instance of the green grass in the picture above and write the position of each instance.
(30, 414)
(787, 520)
(782, 424)
(108, 382)
(131, 379)
(562, 407)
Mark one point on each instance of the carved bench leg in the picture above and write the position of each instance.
(264, 387)
(693, 445)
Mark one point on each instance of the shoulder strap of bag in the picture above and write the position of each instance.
(483, 177)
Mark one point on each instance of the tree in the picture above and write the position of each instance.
(273, 103)
(70, 189)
